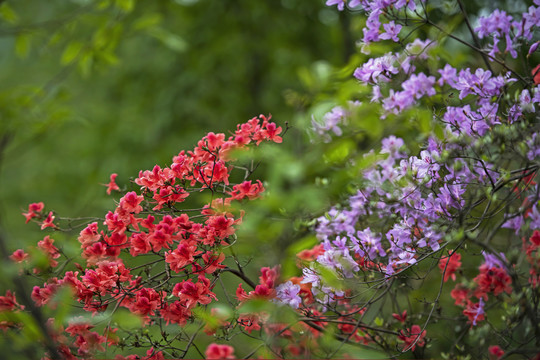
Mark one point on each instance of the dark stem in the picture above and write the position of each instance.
(473, 34)
(241, 276)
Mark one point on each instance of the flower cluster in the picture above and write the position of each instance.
(463, 200)
(410, 207)
(151, 223)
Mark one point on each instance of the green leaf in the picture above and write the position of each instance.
(367, 118)
(303, 244)
(256, 306)
(330, 277)
(108, 57)
(209, 319)
(340, 151)
(85, 63)
(425, 120)
(104, 4)
(8, 14)
(127, 320)
(147, 21)
(222, 310)
(125, 5)
(366, 161)
(22, 45)
(62, 297)
(71, 52)
(174, 42)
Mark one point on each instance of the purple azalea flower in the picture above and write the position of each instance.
(287, 293)
(409, 3)
(531, 20)
(533, 48)
(493, 261)
(448, 75)
(526, 101)
(341, 244)
(534, 215)
(377, 70)
(311, 277)
(419, 85)
(534, 147)
(391, 31)
(399, 235)
(369, 244)
(340, 4)
(391, 146)
(497, 22)
(479, 311)
(514, 223)
(406, 256)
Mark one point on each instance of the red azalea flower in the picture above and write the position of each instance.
(492, 279)
(474, 311)
(495, 352)
(33, 210)
(401, 317)
(9, 302)
(449, 265)
(111, 186)
(536, 74)
(413, 337)
(18, 256)
(48, 222)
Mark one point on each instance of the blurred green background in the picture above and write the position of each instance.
(95, 87)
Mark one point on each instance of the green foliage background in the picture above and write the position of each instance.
(94, 87)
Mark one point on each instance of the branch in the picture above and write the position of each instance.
(241, 276)
(477, 49)
(473, 34)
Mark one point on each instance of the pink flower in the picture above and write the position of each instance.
(47, 247)
(33, 210)
(48, 222)
(18, 256)
(9, 302)
(111, 186)
(216, 351)
(131, 202)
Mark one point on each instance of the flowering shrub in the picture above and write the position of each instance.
(183, 250)
(465, 197)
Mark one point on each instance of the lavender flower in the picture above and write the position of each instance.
(391, 31)
(287, 294)
(515, 223)
(340, 4)
(377, 70)
(491, 260)
(479, 311)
